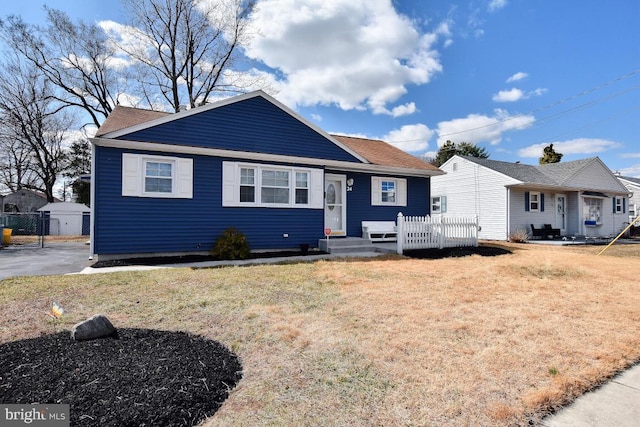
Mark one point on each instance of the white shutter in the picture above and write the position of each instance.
(401, 192)
(131, 175)
(184, 178)
(316, 196)
(376, 189)
(230, 185)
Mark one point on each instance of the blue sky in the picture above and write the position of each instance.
(508, 75)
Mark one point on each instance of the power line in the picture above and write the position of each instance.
(553, 104)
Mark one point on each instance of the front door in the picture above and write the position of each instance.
(335, 204)
(561, 212)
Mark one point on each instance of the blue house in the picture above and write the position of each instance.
(172, 183)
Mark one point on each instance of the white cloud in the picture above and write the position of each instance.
(632, 171)
(515, 94)
(316, 117)
(497, 4)
(356, 54)
(476, 128)
(517, 76)
(572, 146)
(410, 138)
(510, 95)
(630, 155)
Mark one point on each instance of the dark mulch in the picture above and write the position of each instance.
(142, 378)
(160, 260)
(456, 252)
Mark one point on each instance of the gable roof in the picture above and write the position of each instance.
(562, 174)
(125, 120)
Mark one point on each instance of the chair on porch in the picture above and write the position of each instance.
(537, 232)
(550, 231)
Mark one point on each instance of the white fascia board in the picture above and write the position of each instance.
(560, 188)
(264, 157)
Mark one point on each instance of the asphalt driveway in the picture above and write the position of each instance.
(54, 258)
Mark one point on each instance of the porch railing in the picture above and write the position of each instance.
(425, 232)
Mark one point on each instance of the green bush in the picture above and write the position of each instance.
(231, 244)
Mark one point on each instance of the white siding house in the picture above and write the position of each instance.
(579, 198)
(633, 186)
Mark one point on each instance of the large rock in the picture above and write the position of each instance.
(97, 326)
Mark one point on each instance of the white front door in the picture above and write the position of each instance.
(335, 204)
(561, 212)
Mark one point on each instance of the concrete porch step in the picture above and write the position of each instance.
(345, 245)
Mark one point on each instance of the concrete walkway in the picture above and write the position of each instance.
(615, 404)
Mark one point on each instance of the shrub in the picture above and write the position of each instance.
(231, 244)
(519, 236)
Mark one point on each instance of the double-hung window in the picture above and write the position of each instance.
(302, 188)
(534, 201)
(387, 191)
(275, 187)
(247, 185)
(158, 176)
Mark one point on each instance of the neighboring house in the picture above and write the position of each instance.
(580, 198)
(23, 201)
(66, 219)
(172, 183)
(633, 186)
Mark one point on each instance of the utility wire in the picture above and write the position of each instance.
(553, 104)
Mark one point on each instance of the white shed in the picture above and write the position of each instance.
(67, 218)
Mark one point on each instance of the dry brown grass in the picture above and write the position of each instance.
(389, 341)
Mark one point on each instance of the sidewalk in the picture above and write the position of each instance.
(616, 403)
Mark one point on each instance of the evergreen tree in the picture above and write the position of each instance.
(550, 155)
(449, 149)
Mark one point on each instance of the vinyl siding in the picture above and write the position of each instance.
(596, 177)
(473, 190)
(136, 225)
(252, 125)
(522, 219)
(359, 201)
(130, 225)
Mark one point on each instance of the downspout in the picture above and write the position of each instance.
(92, 198)
(508, 212)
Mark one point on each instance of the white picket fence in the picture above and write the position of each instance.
(424, 232)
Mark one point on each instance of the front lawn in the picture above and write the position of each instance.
(472, 340)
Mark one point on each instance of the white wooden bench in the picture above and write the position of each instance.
(380, 231)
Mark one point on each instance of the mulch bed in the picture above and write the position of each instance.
(456, 252)
(160, 260)
(140, 378)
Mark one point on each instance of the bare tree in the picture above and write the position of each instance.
(15, 160)
(77, 58)
(187, 46)
(35, 121)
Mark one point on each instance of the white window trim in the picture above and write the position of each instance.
(134, 173)
(231, 186)
(376, 191)
(537, 201)
(619, 205)
(441, 204)
(599, 211)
